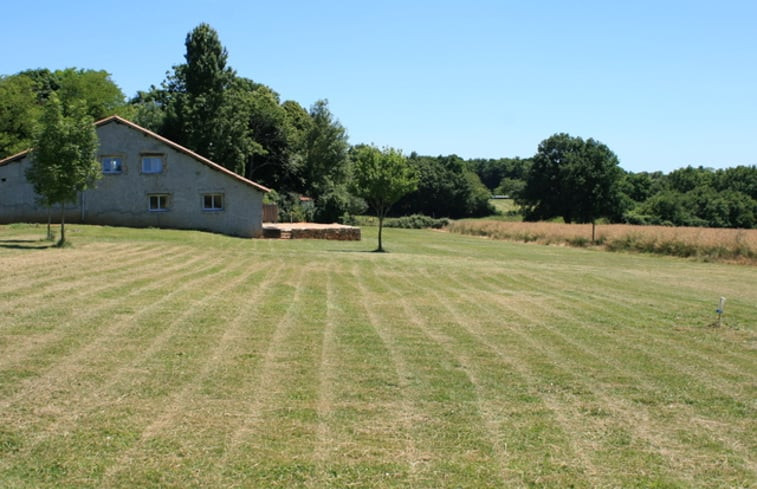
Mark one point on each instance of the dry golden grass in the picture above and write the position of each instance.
(730, 245)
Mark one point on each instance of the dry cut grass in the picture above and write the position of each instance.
(187, 360)
(729, 245)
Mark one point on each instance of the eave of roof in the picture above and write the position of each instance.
(168, 142)
(15, 157)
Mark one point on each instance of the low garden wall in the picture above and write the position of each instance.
(336, 232)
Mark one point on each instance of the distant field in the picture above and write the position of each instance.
(506, 209)
(147, 358)
(718, 244)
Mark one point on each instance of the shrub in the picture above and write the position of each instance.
(416, 221)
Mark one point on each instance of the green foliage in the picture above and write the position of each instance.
(63, 159)
(272, 162)
(669, 208)
(447, 187)
(381, 178)
(641, 186)
(493, 172)
(19, 114)
(337, 204)
(201, 111)
(100, 95)
(149, 110)
(416, 221)
(292, 207)
(686, 179)
(510, 187)
(325, 151)
(694, 197)
(476, 196)
(739, 179)
(24, 95)
(575, 179)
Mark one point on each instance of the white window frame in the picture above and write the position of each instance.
(161, 201)
(111, 170)
(216, 202)
(161, 163)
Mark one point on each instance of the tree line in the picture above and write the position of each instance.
(204, 105)
(562, 181)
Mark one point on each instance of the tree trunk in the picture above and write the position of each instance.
(593, 228)
(381, 226)
(49, 221)
(62, 224)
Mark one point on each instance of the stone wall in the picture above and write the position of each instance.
(312, 231)
(340, 234)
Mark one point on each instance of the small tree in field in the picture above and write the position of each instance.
(63, 158)
(381, 178)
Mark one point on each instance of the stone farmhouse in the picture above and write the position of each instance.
(147, 181)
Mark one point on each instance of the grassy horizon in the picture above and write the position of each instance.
(159, 358)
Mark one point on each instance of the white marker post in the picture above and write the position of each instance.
(721, 310)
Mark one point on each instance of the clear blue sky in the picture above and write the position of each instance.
(663, 83)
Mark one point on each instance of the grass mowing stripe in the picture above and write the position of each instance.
(676, 360)
(46, 265)
(368, 440)
(581, 365)
(31, 290)
(40, 320)
(327, 376)
(335, 417)
(70, 343)
(191, 338)
(215, 327)
(542, 379)
(440, 397)
(88, 289)
(614, 311)
(561, 458)
(425, 317)
(60, 378)
(252, 447)
(218, 394)
(406, 414)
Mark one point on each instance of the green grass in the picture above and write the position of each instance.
(155, 358)
(506, 210)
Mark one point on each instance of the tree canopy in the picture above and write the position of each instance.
(572, 178)
(447, 187)
(23, 97)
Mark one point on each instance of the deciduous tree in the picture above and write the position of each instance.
(381, 178)
(63, 158)
(574, 179)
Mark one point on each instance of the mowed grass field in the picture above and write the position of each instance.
(149, 358)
